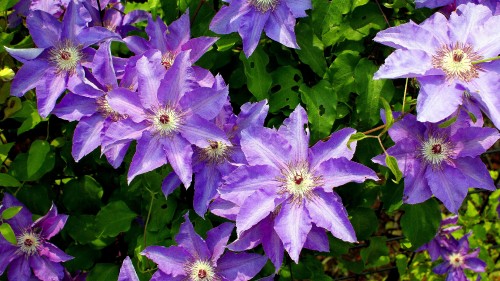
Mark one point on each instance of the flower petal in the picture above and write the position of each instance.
(127, 271)
(199, 131)
(179, 153)
(280, 26)
(473, 141)
(252, 24)
(44, 28)
(449, 185)
(198, 46)
(337, 172)
(178, 80)
(249, 216)
(317, 240)
(191, 241)
(48, 91)
(29, 76)
(265, 146)
(437, 98)
(74, 107)
(334, 147)
(228, 18)
(297, 133)
(170, 183)
(242, 266)
(207, 180)
(170, 260)
(156, 30)
(45, 269)
(407, 63)
(217, 239)
(53, 253)
(150, 72)
(148, 156)
(476, 173)
(87, 136)
(179, 33)
(19, 269)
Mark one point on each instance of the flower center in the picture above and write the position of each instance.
(435, 149)
(166, 121)
(167, 60)
(298, 181)
(456, 260)
(66, 57)
(28, 243)
(264, 5)
(202, 271)
(106, 110)
(215, 153)
(456, 62)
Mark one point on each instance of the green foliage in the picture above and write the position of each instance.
(114, 218)
(420, 222)
(258, 79)
(10, 212)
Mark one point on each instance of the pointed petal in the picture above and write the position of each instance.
(485, 93)
(150, 72)
(271, 242)
(410, 36)
(179, 153)
(407, 63)
(205, 102)
(317, 240)
(178, 80)
(74, 21)
(50, 224)
(252, 114)
(170, 260)
(241, 266)
(127, 271)
(228, 18)
(137, 45)
(416, 188)
(170, 183)
(19, 269)
(249, 216)
(199, 132)
(207, 180)
(292, 225)
(24, 55)
(334, 147)
(251, 238)
(449, 185)
(473, 141)
(265, 146)
(476, 173)
(156, 30)
(23, 219)
(407, 128)
(437, 99)
(191, 241)
(93, 35)
(8, 254)
(102, 66)
(280, 26)
(126, 103)
(475, 264)
(148, 156)
(295, 128)
(115, 153)
(53, 253)
(74, 107)
(87, 136)
(123, 131)
(29, 76)
(252, 24)
(46, 270)
(179, 32)
(217, 239)
(48, 91)
(44, 28)
(224, 208)
(198, 46)
(328, 212)
(337, 172)
(299, 7)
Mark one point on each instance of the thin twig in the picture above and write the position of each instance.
(382, 11)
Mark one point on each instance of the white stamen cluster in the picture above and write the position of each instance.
(264, 5)
(435, 150)
(105, 109)
(298, 181)
(166, 121)
(66, 57)
(215, 153)
(456, 260)
(28, 243)
(456, 62)
(201, 270)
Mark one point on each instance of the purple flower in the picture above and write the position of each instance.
(442, 239)
(442, 55)
(33, 250)
(127, 271)
(170, 41)
(440, 161)
(197, 259)
(89, 106)
(451, 5)
(216, 160)
(167, 116)
(457, 258)
(292, 186)
(56, 65)
(24, 7)
(250, 17)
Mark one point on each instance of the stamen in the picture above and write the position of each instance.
(456, 62)
(166, 120)
(264, 5)
(456, 260)
(106, 111)
(66, 57)
(215, 153)
(28, 243)
(201, 270)
(435, 150)
(298, 181)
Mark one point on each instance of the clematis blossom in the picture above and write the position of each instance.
(250, 17)
(443, 162)
(197, 259)
(449, 58)
(167, 116)
(292, 185)
(33, 253)
(56, 64)
(442, 239)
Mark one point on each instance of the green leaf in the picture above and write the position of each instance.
(420, 222)
(8, 233)
(9, 213)
(82, 195)
(7, 4)
(258, 79)
(9, 181)
(341, 74)
(321, 105)
(5, 38)
(311, 48)
(13, 105)
(114, 218)
(104, 272)
(448, 122)
(377, 253)
(392, 164)
(364, 221)
(284, 91)
(355, 137)
(401, 264)
(29, 117)
(370, 91)
(81, 228)
(389, 119)
(38, 152)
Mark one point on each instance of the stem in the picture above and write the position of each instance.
(47, 138)
(197, 11)
(148, 217)
(374, 129)
(381, 145)
(404, 96)
(382, 11)
(486, 60)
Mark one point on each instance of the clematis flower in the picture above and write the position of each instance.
(250, 17)
(457, 258)
(443, 162)
(442, 239)
(127, 271)
(24, 7)
(33, 253)
(444, 55)
(167, 116)
(217, 160)
(56, 65)
(88, 105)
(170, 41)
(197, 259)
(292, 186)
